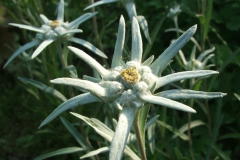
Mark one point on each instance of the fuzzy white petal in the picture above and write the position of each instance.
(88, 46)
(161, 81)
(189, 94)
(80, 20)
(100, 3)
(117, 56)
(20, 50)
(136, 42)
(44, 19)
(60, 16)
(91, 87)
(31, 28)
(162, 61)
(167, 103)
(43, 45)
(71, 103)
(89, 60)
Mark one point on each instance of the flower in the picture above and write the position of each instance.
(131, 10)
(51, 31)
(200, 63)
(130, 85)
(174, 11)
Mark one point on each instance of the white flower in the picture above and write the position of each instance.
(132, 84)
(199, 63)
(51, 31)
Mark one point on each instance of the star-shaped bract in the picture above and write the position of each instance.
(51, 31)
(132, 84)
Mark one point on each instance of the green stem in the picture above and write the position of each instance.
(95, 30)
(139, 127)
(63, 52)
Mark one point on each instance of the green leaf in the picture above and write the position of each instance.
(105, 132)
(193, 124)
(230, 135)
(74, 133)
(96, 152)
(175, 131)
(220, 152)
(179, 155)
(153, 37)
(139, 126)
(67, 150)
(44, 88)
(207, 18)
(151, 137)
(72, 70)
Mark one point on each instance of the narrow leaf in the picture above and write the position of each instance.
(44, 88)
(88, 46)
(100, 3)
(75, 133)
(62, 151)
(144, 26)
(96, 152)
(136, 42)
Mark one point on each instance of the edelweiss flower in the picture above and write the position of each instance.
(199, 63)
(131, 10)
(130, 85)
(55, 30)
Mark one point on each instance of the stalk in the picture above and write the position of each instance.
(121, 134)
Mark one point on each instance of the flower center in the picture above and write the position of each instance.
(130, 75)
(54, 23)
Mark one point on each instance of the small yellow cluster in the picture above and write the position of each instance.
(130, 75)
(54, 23)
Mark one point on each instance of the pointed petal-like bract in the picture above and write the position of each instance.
(161, 81)
(60, 16)
(43, 45)
(117, 56)
(71, 103)
(88, 46)
(162, 61)
(131, 9)
(20, 50)
(81, 19)
(189, 94)
(31, 28)
(182, 57)
(90, 61)
(205, 53)
(100, 3)
(72, 31)
(167, 103)
(148, 61)
(136, 42)
(91, 87)
(144, 26)
(44, 19)
(206, 59)
(121, 133)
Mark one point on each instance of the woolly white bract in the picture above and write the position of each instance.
(51, 31)
(130, 85)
